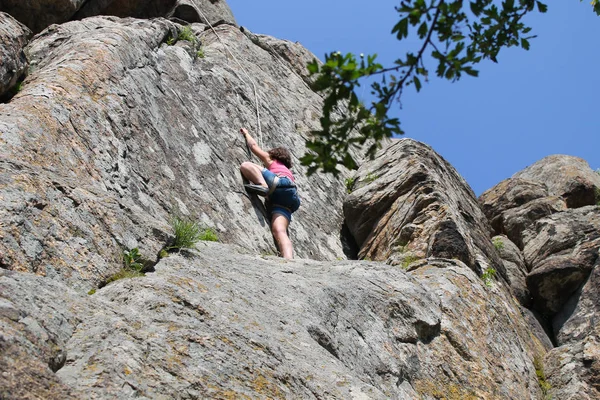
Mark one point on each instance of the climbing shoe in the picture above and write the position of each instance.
(257, 189)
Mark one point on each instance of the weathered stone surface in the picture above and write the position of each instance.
(13, 38)
(517, 220)
(204, 11)
(114, 130)
(516, 270)
(220, 323)
(39, 14)
(514, 204)
(566, 176)
(574, 367)
(37, 318)
(410, 203)
(561, 250)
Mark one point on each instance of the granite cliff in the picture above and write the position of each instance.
(116, 116)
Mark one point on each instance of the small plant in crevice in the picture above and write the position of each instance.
(349, 184)
(133, 259)
(134, 266)
(92, 291)
(545, 386)
(498, 243)
(488, 276)
(597, 190)
(409, 259)
(187, 233)
(370, 178)
(200, 53)
(186, 33)
(209, 235)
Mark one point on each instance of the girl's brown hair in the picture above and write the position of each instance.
(282, 155)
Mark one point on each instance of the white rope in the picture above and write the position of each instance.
(243, 69)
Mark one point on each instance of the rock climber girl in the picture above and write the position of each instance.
(276, 182)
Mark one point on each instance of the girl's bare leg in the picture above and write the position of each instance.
(253, 173)
(279, 225)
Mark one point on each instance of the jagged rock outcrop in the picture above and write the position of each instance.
(223, 323)
(409, 203)
(549, 211)
(13, 38)
(566, 176)
(115, 129)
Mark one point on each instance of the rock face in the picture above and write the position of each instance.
(549, 210)
(13, 38)
(409, 203)
(99, 155)
(220, 323)
(122, 124)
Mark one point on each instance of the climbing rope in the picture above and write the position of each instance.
(245, 72)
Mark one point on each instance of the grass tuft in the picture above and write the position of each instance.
(188, 233)
(488, 276)
(349, 184)
(498, 243)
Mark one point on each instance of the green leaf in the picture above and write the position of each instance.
(525, 44)
(417, 83)
(541, 7)
(422, 32)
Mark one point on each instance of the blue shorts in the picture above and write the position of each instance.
(284, 200)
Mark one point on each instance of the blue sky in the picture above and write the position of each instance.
(531, 104)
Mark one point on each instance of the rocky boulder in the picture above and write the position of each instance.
(204, 11)
(409, 203)
(122, 124)
(561, 250)
(13, 38)
(39, 14)
(566, 176)
(514, 204)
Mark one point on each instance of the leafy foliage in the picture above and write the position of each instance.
(133, 260)
(454, 34)
(133, 267)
